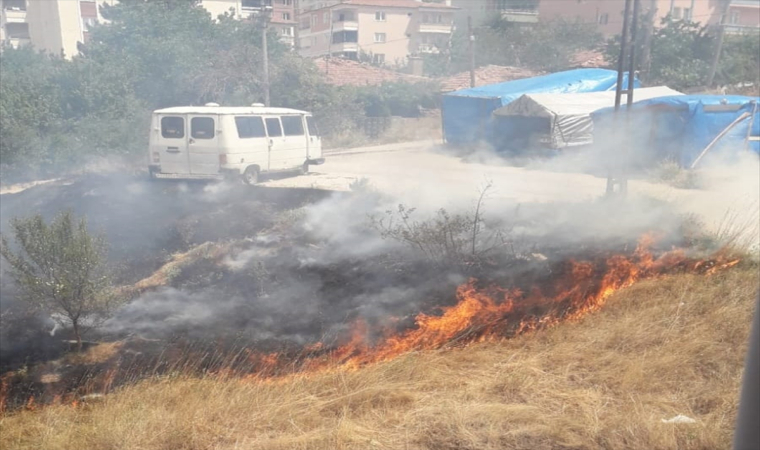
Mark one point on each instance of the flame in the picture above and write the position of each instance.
(487, 312)
(483, 311)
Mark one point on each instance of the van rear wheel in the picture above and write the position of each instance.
(305, 168)
(251, 175)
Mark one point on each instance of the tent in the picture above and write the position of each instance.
(567, 116)
(467, 114)
(680, 127)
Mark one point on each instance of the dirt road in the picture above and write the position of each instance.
(420, 174)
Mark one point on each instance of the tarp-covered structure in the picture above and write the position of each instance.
(467, 114)
(681, 127)
(566, 117)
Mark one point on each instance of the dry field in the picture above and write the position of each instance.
(658, 349)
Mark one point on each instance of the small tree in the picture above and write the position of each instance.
(60, 269)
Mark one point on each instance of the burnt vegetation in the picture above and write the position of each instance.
(223, 279)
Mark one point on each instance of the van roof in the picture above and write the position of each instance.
(227, 110)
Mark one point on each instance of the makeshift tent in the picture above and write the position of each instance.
(467, 113)
(567, 116)
(681, 127)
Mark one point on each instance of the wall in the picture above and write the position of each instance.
(397, 26)
(45, 25)
(219, 7)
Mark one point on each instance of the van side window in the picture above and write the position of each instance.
(313, 131)
(292, 125)
(273, 127)
(202, 128)
(250, 127)
(172, 127)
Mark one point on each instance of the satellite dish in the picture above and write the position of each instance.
(258, 105)
(212, 104)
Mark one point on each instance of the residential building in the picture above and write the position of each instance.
(282, 17)
(56, 26)
(743, 16)
(481, 11)
(386, 31)
(607, 15)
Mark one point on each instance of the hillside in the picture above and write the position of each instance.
(658, 349)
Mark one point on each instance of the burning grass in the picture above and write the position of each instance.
(658, 349)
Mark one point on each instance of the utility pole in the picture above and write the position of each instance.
(617, 168)
(646, 51)
(719, 44)
(265, 16)
(471, 49)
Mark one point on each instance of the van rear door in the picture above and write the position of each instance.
(171, 144)
(295, 148)
(203, 144)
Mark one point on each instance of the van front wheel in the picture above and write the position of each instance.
(251, 175)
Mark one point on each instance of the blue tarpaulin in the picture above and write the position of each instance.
(467, 113)
(680, 127)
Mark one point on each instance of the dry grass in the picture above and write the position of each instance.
(660, 348)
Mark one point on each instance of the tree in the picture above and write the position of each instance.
(60, 269)
(681, 52)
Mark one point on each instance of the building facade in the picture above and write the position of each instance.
(56, 26)
(607, 15)
(59, 26)
(282, 18)
(386, 32)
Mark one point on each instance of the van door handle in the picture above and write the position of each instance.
(172, 149)
(191, 141)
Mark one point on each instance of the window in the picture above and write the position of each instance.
(202, 128)
(273, 127)
(292, 125)
(439, 19)
(172, 127)
(604, 19)
(313, 131)
(676, 13)
(425, 18)
(687, 14)
(380, 37)
(287, 31)
(285, 16)
(380, 16)
(326, 17)
(250, 127)
(378, 58)
(734, 18)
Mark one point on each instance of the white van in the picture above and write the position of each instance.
(208, 142)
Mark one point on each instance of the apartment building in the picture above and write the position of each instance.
(282, 18)
(56, 26)
(481, 11)
(743, 15)
(387, 31)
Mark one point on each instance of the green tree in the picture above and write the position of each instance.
(60, 269)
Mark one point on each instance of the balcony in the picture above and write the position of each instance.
(429, 49)
(443, 28)
(351, 47)
(742, 29)
(519, 15)
(14, 15)
(345, 25)
(17, 42)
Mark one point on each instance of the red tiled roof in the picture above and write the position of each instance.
(345, 72)
(485, 75)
